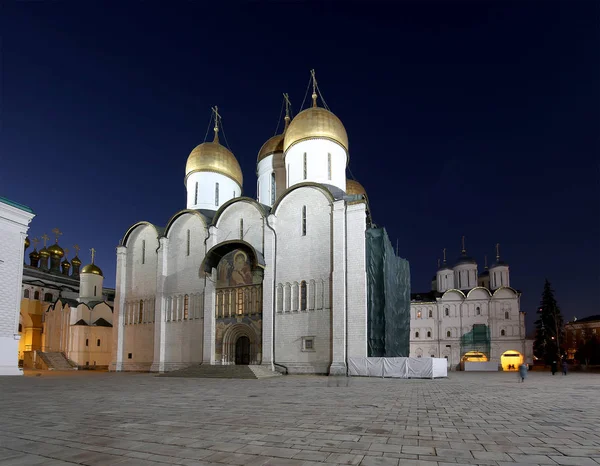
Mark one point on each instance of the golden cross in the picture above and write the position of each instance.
(35, 242)
(215, 110)
(463, 245)
(57, 233)
(93, 251)
(77, 248)
(288, 104)
(444, 250)
(497, 251)
(45, 238)
(314, 94)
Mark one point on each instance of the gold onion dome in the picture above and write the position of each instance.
(353, 187)
(92, 268)
(76, 261)
(56, 250)
(315, 123)
(34, 254)
(44, 252)
(272, 146)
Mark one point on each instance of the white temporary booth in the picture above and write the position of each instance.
(402, 368)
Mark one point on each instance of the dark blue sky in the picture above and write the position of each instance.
(464, 118)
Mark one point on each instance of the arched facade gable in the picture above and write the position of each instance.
(452, 295)
(262, 210)
(242, 219)
(216, 253)
(288, 191)
(135, 227)
(479, 292)
(180, 214)
(505, 292)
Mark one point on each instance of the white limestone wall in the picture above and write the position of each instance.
(316, 151)
(303, 258)
(465, 276)
(138, 347)
(266, 167)
(206, 183)
(57, 321)
(230, 222)
(445, 280)
(182, 269)
(141, 262)
(14, 224)
(90, 316)
(90, 286)
(183, 343)
(357, 280)
(90, 345)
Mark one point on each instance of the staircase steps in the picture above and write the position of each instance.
(221, 372)
(56, 361)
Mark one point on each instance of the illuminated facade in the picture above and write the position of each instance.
(469, 316)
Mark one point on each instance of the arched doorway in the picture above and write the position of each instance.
(242, 351)
(474, 356)
(511, 360)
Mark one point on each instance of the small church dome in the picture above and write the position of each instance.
(92, 268)
(315, 123)
(464, 259)
(213, 157)
(273, 145)
(56, 250)
(353, 187)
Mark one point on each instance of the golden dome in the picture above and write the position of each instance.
(315, 122)
(213, 157)
(92, 268)
(44, 252)
(76, 261)
(353, 187)
(56, 250)
(274, 144)
(34, 254)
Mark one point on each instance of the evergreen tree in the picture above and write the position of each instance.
(550, 335)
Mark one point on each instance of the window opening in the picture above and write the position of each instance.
(26, 294)
(141, 313)
(328, 166)
(303, 296)
(303, 220)
(186, 307)
(216, 194)
(188, 242)
(143, 251)
(273, 188)
(196, 194)
(241, 228)
(304, 171)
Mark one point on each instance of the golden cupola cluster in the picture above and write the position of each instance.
(49, 258)
(213, 157)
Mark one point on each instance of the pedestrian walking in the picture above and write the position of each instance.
(523, 371)
(554, 367)
(564, 367)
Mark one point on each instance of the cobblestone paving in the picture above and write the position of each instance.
(139, 419)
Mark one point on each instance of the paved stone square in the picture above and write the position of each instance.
(139, 419)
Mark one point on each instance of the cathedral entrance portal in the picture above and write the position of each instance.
(242, 351)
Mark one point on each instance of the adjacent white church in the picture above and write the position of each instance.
(232, 280)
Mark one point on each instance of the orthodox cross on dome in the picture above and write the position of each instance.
(45, 238)
(464, 251)
(76, 248)
(287, 110)
(215, 110)
(497, 252)
(57, 233)
(35, 242)
(93, 251)
(485, 262)
(444, 252)
(314, 83)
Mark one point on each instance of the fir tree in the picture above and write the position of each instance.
(549, 335)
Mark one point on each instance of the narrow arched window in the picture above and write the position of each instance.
(216, 194)
(36, 295)
(95, 291)
(188, 242)
(279, 298)
(141, 312)
(430, 313)
(328, 166)
(186, 307)
(416, 334)
(20, 328)
(448, 334)
(48, 297)
(429, 336)
(304, 168)
(143, 251)
(418, 314)
(241, 228)
(196, 194)
(98, 342)
(446, 312)
(507, 315)
(272, 188)
(478, 311)
(502, 332)
(303, 295)
(26, 294)
(303, 220)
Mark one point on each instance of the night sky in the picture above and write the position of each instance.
(464, 118)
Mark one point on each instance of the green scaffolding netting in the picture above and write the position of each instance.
(388, 306)
(477, 340)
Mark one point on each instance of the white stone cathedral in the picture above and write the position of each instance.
(278, 281)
